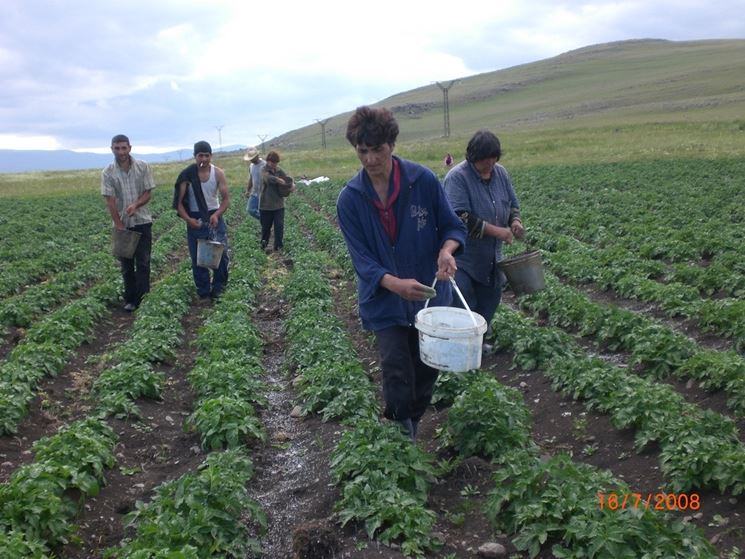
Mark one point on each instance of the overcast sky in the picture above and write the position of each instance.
(168, 73)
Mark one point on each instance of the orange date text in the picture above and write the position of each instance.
(649, 501)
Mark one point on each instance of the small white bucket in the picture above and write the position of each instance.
(450, 338)
(209, 253)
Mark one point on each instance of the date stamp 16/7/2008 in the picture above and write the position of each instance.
(649, 501)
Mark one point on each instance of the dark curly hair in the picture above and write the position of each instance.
(272, 156)
(483, 145)
(372, 127)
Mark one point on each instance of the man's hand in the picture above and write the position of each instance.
(409, 288)
(446, 265)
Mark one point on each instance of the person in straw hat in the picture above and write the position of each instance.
(256, 165)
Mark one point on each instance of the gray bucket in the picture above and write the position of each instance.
(124, 243)
(209, 253)
(524, 272)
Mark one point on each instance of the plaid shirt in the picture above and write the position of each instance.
(127, 187)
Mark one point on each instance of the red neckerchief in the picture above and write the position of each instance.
(386, 213)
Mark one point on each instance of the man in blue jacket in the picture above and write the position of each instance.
(401, 233)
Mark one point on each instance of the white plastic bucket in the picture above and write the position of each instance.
(450, 338)
(209, 253)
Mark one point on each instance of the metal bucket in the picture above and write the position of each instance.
(209, 253)
(124, 242)
(524, 272)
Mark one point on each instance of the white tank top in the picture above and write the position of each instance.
(209, 189)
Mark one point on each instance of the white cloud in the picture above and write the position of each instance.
(14, 141)
(167, 72)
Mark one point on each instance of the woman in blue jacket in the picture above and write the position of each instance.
(480, 191)
(401, 233)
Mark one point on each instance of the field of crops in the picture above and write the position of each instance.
(608, 424)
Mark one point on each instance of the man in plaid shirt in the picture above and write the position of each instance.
(126, 185)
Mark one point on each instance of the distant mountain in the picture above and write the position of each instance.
(21, 161)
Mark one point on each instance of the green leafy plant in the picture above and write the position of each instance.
(487, 420)
(384, 481)
(225, 422)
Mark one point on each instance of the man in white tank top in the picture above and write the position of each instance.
(202, 199)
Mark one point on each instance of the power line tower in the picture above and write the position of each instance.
(323, 131)
(262, 137)
(446, 107)
(219, 135)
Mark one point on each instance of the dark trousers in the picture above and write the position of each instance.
(136, 270)
(205, 287)
(407, 382)
(482, 299)
(277, 219)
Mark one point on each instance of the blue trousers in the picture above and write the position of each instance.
(207, 287)
(252, 206)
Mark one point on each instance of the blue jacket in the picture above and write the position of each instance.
(425, 221)
(494, 201)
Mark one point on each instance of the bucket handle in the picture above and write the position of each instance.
(465, 305)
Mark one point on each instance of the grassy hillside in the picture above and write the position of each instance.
(630, 100)
(612, 95)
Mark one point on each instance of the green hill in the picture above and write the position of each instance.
(623, 83)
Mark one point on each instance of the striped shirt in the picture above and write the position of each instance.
(127, 187)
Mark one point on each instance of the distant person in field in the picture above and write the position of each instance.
(481, 193)
(256, 165)
(447, 161)
(401, 233)
(126, 185)
(275, 187)
(201, 198)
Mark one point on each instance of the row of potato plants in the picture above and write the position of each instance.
(491, 421)
(63, 234)
(59, 234)
(23, 308)
(550, 500)
(618, 269)
(37, 504)
(207, 513)
(49, 343)
(676, 211)
(658, 350)
(384, 480)
(698, 448)
(227, 377)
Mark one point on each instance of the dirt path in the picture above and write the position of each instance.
(149, 452)
(292, 481)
